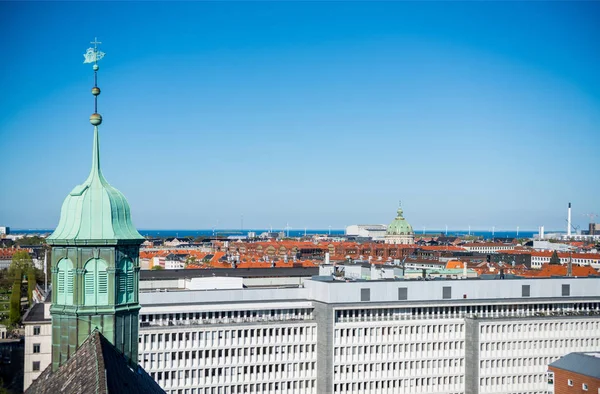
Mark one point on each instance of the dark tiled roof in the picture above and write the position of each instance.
(96, 367)
(35, 314)
(587, 364)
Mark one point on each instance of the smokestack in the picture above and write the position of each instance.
(569, 221)
(541, 233)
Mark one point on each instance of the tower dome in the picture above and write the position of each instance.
(94, 210)
(399, 226)
(399, 231)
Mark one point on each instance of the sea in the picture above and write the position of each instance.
(300, 233)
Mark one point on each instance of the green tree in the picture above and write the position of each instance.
(15, 303)
(21, 260)
(157, 268)
(31, 282)
(554, 260)
(33, 240)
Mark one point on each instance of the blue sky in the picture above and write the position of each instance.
(310, 113)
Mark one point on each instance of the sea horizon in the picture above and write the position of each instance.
(486, 234)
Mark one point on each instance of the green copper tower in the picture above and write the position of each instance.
(95, 260)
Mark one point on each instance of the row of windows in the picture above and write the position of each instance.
(540, 344)
(460, 311)
(222, 337)
(552, 326)
(397, 348)
(398, 383)
(378, 332)
(296, 386)
(230, 373)
(413, 366)
(515, 363)
(236, 316)
(182, 357)
(517, 379)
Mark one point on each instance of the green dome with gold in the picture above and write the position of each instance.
(399, 226)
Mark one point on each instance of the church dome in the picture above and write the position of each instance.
(94, 211)
(399, 226)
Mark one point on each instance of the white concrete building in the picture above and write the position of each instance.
(539, 258)
(38, 342)
(374, 231)
(443, 336)
(380, 336)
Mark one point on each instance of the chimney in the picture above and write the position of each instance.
(569, 221)
(541, 233)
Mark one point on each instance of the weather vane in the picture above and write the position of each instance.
(92, 55)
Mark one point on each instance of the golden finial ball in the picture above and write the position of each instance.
(95, 119)
(95, 90)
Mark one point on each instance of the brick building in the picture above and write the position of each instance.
(575, 373)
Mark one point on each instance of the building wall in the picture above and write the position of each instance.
(561, 382)
(514, 354)
(232, 349)
(44, 357)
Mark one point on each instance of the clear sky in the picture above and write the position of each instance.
(310, 113)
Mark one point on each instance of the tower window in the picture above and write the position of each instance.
(125, 279)
(95, 282)
(64, 284)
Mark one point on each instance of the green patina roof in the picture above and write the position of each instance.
(94, 210)
(399, 226)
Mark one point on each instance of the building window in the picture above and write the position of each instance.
(36, 330)
(36, 366)
(447, 292)
(365, 294)
(525, 292)
(36, 347)
(570, 382)
(566, 290)
(402, 293)
(584, 387)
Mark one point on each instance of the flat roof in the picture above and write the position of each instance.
(234, 272)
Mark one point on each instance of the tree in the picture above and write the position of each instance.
(554, 260)
(21, 260)
(31, 282)
(157, 268)
(14, 314)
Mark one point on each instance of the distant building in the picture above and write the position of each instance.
(575, 373)
(4, 230)
(376, 232)
(487, 247)
(399, 231)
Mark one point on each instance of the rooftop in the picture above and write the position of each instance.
(587, 364)
(96, 367)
